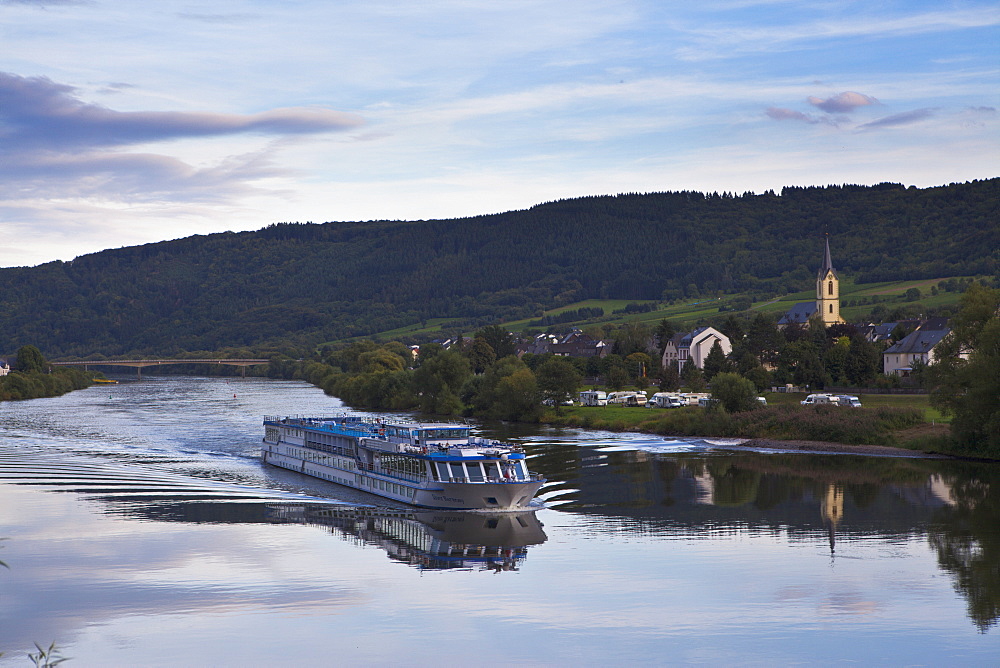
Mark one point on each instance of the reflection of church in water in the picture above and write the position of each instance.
(831, 508)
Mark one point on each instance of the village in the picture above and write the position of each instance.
(896, 354)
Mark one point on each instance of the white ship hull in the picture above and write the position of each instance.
(443, 495)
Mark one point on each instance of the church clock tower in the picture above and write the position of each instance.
(828, 291)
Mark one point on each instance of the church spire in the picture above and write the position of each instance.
(828, 291)
(827, 262)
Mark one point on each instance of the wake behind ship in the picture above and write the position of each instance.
(432, 465)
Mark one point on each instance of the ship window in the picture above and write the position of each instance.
(442, 471)
(475, 471)
(493, 501)
(456, 470)
(492, 470)
(457, 433)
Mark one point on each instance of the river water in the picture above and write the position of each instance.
(138, 528)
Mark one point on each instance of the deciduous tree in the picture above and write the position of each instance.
(969, 389)
(734, 393)
(558, 380)
(29, 359)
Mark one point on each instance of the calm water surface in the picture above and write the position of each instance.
(138, 528)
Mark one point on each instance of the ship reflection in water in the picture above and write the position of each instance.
(434, 540)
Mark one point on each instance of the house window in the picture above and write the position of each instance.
(829, 288)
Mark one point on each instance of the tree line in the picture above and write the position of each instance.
(295, 285)
(31, 378)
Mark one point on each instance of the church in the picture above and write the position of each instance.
(827, 304)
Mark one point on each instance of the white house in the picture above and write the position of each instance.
(918, 346)
(4, 368)
(694, 347)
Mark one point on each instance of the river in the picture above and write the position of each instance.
(138, 527)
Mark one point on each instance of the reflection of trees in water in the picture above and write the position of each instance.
(863, 494)
(965, 530)
(734, 485)
(967, 540)
(628, 486)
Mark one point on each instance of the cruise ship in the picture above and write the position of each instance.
(430, 465)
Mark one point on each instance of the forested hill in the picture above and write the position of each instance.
(305, 283)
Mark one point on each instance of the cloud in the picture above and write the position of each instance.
(714, 40)
(842, 102)
(52, 145)
(38, 112)
(904, 118)
(782, 114)
(42, 3)
(225, 19)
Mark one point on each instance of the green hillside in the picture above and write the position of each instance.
(297, 285)
(684, 314)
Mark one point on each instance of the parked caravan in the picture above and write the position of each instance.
(664, 400)
(593, 398)
(627, 398)
(692, 398)
(817, 399)
(849, 401)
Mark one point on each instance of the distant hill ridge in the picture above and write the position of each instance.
(298, 284)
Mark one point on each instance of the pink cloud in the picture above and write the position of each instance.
(842, 102)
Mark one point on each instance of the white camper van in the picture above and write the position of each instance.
(665, 400)
(593, 398)
(817, 399)
(627, 398)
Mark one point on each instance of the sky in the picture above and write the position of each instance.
(123, 123)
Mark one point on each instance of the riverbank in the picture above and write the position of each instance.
(878, 431)
(18, 386)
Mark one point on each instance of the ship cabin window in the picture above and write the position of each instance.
(492, 469)
(442, 471)
(519, 471)
(456, 470)
(475, 471)
(444, 434)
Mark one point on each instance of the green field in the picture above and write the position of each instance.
(698, 311)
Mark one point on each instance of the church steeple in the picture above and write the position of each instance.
(827, 262)
(828, 291)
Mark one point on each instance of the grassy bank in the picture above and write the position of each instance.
(906, 421)
(920, 402)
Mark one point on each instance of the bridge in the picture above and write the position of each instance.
(139, 365)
